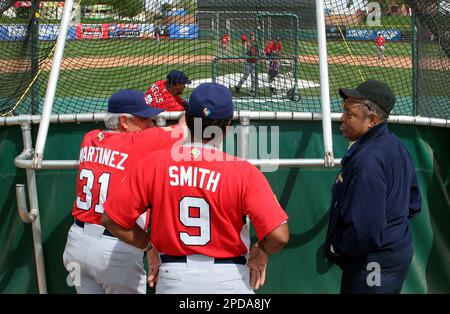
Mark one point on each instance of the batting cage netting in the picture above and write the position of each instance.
(265, 51)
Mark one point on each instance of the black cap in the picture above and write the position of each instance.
(376, 91)
(176, 77)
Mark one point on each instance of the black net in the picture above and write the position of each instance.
(266, 52)
(432, 87)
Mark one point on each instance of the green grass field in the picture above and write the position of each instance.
(146, 47)
(100, 82)
(80, 90)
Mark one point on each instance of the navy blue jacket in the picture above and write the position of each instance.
(375, 194)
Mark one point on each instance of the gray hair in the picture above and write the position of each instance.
(377, 109)
(112, 120)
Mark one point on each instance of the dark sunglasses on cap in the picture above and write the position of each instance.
(366, 102)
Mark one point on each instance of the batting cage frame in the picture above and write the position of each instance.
(292, 93)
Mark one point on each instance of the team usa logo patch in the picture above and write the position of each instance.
(206, 112)
(100, 136)
(148, 99)
(195, 152)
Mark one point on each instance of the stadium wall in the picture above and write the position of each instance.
(304, 193)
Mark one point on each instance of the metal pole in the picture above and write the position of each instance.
(52, 83)
(324, 86)
(415, 64)
(291, 163)
(296, 55)
(34, 56)
(214, 71)
(243, 137)
(36, 223)
(252, 115)
(258, 44)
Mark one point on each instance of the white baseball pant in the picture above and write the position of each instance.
(200, 275)
(105, 264)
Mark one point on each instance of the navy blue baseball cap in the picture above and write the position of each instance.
(176, 77)
(133, 102)
(211, 101)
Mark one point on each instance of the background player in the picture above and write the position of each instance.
(273, 51)
(166, 94)
(379, 41)
(225, 42)
(201, 198)
(244, 39)
(249, 67)
(108, 265)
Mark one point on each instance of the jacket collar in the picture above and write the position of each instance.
(375, 132)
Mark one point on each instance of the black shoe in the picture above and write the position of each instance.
(238, 89)
(252, 93)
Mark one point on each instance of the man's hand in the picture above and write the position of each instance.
(153, 267)
(257, 264)
(182, 119)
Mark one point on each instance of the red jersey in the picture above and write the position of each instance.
(199, 205)
(277, 47)
(106, 157)
(244, 39)
(251, 51)
(158, 96)
(225, 39)
(380, 41)
(269, 48)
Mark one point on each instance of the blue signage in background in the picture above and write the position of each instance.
(46, 32)
(3, 33)
(189, 31)
(13, 32)
(124, 30)
(147, 30)
(389, 34)
(369, 34)
(358, 34)
(176, 12)
(50, 32)
(72, 32)
(18, 32)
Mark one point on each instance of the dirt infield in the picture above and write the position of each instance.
(14, 66)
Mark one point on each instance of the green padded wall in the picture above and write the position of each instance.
(304, 193)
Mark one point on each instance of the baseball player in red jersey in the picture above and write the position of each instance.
(270, 46)
(273, 50)
(106, 264)
(201, 199)
(166, 94)
(225, 41)
(244, 39)
(277, 47)
(379, 41)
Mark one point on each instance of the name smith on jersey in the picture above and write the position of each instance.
(194, 177)
(104, 156)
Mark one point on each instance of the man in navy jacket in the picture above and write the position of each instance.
(373, 198)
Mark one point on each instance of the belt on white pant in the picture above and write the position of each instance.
(105, 232)
(240, 260)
